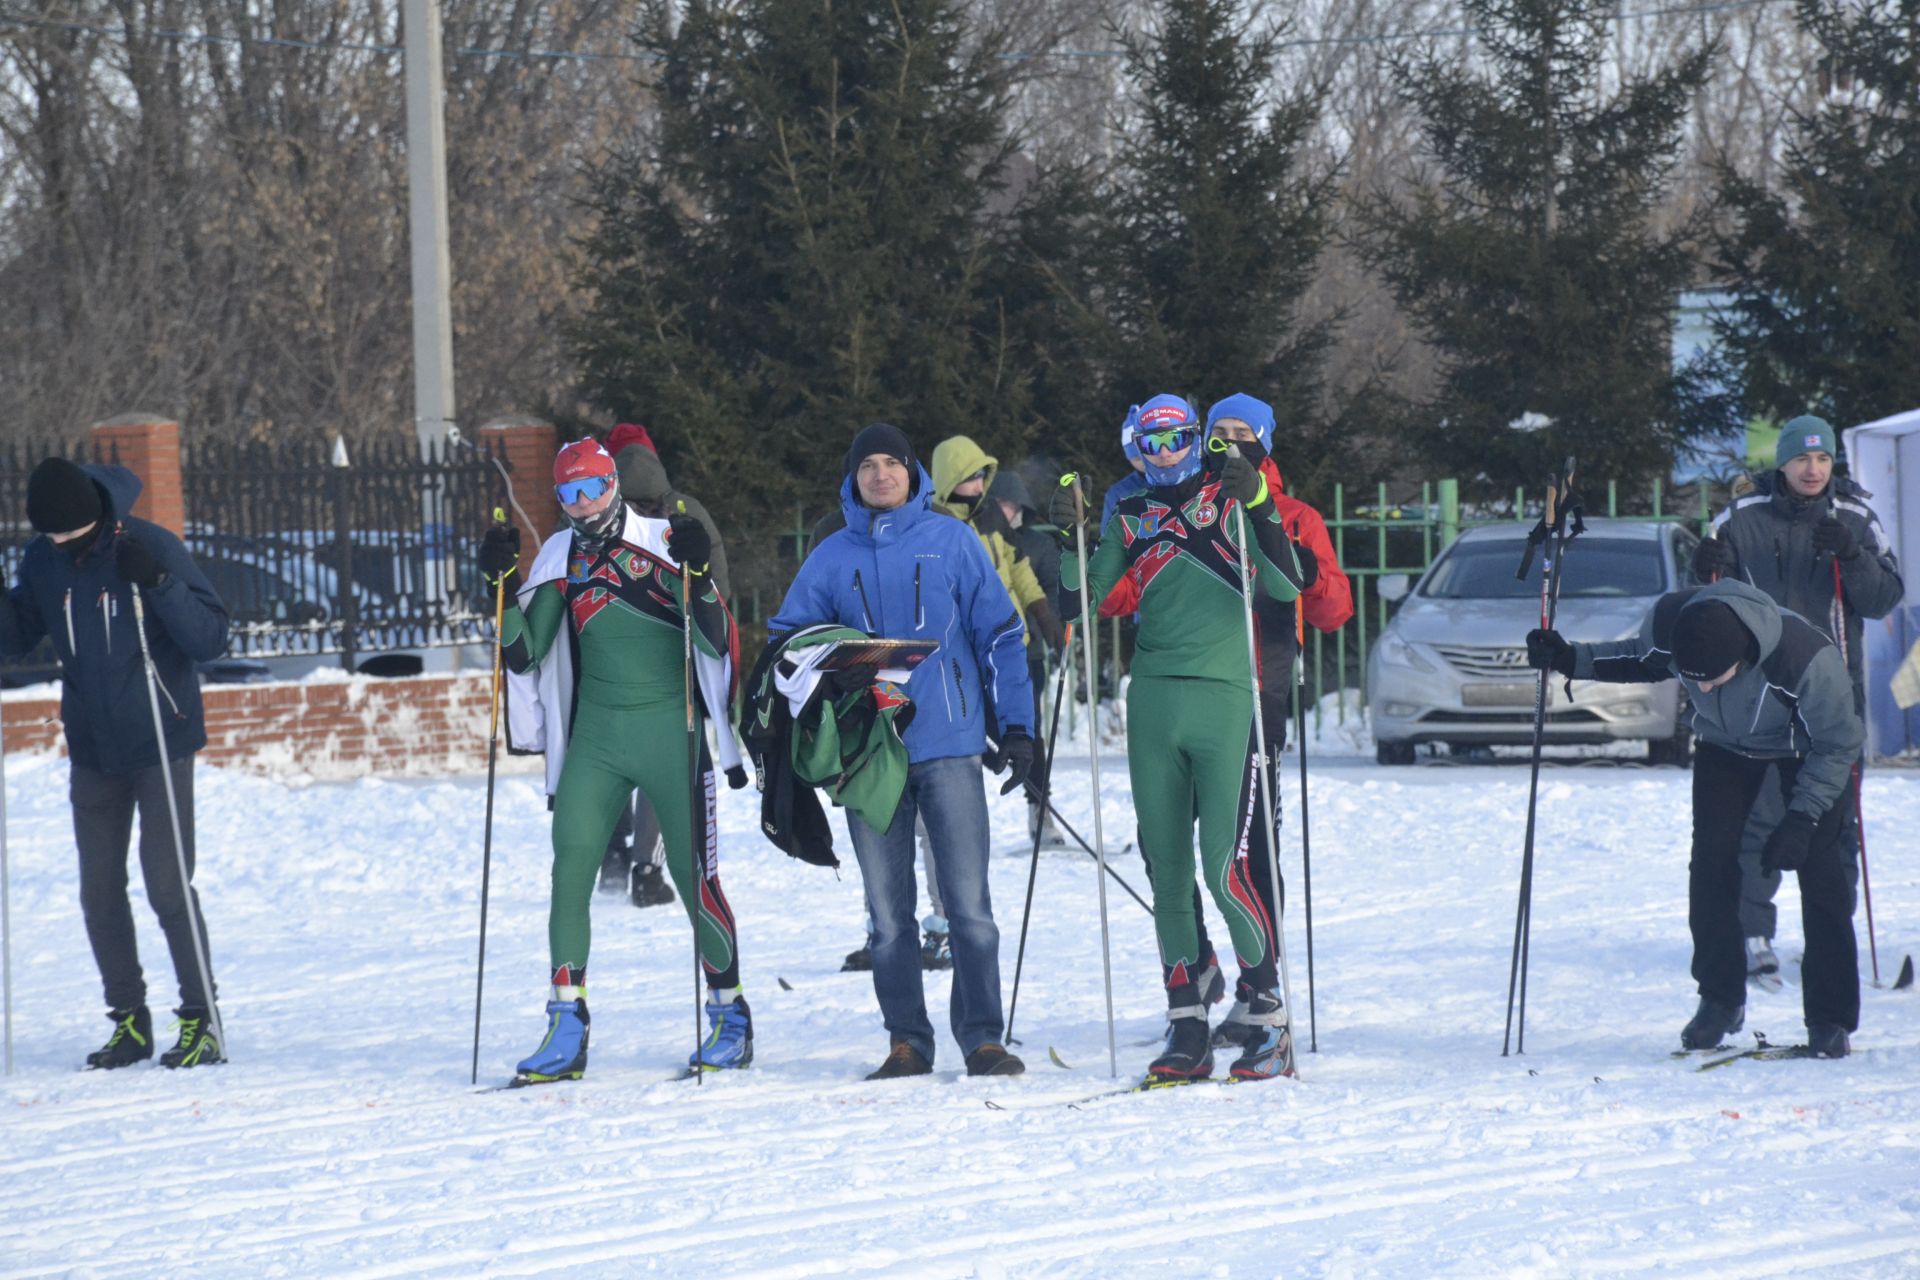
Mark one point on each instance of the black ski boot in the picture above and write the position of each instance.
(860, 961)
(131, 1041)
(1827, 1040)
(199, 1045)
(650, 887)
(614, 869)
(1187, 1055)
(1712, 1023)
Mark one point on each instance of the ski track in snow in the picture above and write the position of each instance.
(345, 1139)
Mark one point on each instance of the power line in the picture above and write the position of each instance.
(127, 34)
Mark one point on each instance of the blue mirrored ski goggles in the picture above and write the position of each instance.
(1171, 440)
(587, 490)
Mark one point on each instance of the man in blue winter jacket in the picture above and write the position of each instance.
(77, 586)
(899, 570)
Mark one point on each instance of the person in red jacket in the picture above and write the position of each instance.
(1326, 603)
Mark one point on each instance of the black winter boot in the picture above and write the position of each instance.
(199, 1045)
(1828, 1040)
(131, 1041)
(1712, 1023)
(650, 887)
(1188, 1055)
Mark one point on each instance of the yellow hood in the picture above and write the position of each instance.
(954, 459)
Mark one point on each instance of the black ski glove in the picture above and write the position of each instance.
(1309, 563)
(1549, 651)
(852, 679)
(1060, 511)
(1787, 848)
(1835, 539)
(499, 553)
(736, 777)
(136, 564)
(1241, 481)
(1015, 756)
(689, 543)
(1712, 560)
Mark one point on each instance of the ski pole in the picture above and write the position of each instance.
(6, 904)
(696, 827)
(1087, 849)
(1263, 778)
(1033, 867)
(1859, 820)
(1306, 839)
(1092, 633)
(173, 814)
(486, 837)
(1552, 534)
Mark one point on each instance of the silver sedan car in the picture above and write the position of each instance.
(1452, 664)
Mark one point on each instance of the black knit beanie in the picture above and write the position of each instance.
(1708, 638)
(61, 497)
(884, 437)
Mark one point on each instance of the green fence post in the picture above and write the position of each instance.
(1449, 514)
(1658, 492)
(1706, 510)
(1613, 498)
(1340, 637)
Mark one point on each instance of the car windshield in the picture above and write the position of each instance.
(1595, 567)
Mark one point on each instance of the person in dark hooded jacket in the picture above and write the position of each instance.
(1807, 538)
(77, 585)
(1771, 710)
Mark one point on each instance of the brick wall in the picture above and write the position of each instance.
(320, 730)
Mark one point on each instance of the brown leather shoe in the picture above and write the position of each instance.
(993, 1060)
(902, 1060)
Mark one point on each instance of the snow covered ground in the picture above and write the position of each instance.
(344, 1137)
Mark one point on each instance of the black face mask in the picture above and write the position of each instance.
(78, 547)
(1251, 450)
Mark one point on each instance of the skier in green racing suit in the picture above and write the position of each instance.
(594, 641)
(1169, 553)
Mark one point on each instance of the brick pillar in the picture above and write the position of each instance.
(529, 446)
(148, 446)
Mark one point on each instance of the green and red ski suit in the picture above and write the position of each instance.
(618, 605)
(1170, 555)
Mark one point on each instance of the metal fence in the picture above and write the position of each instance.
(1376, 538)
(1373, 536)
(319, 549)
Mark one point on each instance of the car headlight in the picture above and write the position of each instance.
(1397, 652)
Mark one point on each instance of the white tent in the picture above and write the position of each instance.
(1884, 457)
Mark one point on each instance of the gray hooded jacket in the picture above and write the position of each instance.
(1770, 532)
(1796, 702)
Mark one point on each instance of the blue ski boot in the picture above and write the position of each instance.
(563, 1054)
(729, 1044)
(1268, 1046)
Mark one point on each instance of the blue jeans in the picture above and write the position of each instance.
(950, 793)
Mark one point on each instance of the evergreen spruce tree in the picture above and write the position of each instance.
(1210, 221)
(1825, 269)
(799, 247)
(1530, 255)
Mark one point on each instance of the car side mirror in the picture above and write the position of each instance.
(1394, 586)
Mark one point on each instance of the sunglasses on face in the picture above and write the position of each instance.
(587, 490)
(1171, 440)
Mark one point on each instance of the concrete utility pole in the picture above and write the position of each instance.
(427, 224)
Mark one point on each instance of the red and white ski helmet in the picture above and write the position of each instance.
(581, 459)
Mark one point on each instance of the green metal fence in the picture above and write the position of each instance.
(1373, 536)
(1374, 540)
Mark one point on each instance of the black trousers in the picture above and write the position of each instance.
(1726, 787)
(103, 809)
